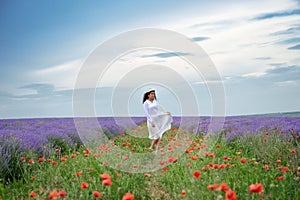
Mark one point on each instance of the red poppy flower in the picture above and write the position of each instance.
(284, 169)
(194, 157)
(266, 167)
(279, 178)
(54, 163)
(96, 155)
(147, 175)
(189, 150)
(224, 187)
(216, 166)
(197, 174)
(293, 151)
(278, 161)
(128, 196)
(62, 193)
(54, 194)
(125, 157)
(107, 182)
(212, 155)
(84, 185)
(96, 194)
(91, 169)
(32, 195)
(105, 176)
(31, 161)
(213, 187)
(166, 168)
(41, 159)
(79, 173)
(243, 160)
(86, 151)
(256, 188)
(222, 166)
(230, 195)
(183, 193)
(266, 133)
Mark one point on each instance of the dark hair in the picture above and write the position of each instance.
(146, 95)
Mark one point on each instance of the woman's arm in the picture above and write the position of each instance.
(146, 108)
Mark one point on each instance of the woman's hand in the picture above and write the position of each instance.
(152, 124)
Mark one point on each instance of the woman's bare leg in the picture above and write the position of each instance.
(152, 144)
(157, 144)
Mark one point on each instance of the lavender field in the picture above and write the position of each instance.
(264, 144)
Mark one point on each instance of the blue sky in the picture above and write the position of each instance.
(255, 46)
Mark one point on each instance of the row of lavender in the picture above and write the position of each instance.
(35, 134)
(236, 125)
(42, 136)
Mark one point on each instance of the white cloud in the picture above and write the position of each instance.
(208, 82)
(236, 39)
(62, 68)
(222, 15)
(62, 76)
(286, 83)
(129, 65)
(254, 74)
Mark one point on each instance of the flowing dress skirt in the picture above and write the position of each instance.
(162, 123)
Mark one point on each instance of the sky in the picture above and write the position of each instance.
(254, 46)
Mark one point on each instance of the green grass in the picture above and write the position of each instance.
(203, 154)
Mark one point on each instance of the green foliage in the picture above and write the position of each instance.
(3, 190)
(57, 142)
(205, 154)
(11, 168)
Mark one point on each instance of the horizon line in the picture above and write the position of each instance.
(136, 116)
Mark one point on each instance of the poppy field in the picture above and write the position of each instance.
(251, 157)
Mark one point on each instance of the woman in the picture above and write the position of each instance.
(158, 122)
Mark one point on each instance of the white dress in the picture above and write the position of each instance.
(161, 120)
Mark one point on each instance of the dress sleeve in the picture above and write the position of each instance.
(146, 108)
